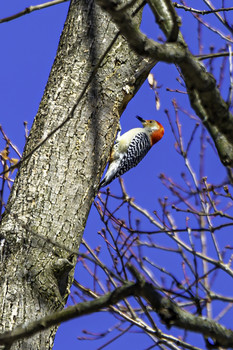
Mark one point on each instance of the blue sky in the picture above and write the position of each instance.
(29, 47)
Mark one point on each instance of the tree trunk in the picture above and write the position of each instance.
(55, 186)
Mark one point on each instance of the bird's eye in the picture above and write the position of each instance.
(150, 121)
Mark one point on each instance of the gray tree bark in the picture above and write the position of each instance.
(56, 182)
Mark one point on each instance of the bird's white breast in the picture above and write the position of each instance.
(126, 138)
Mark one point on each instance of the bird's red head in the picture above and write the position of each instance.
(155, 129)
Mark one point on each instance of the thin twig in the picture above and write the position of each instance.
(30, 9)
(201, 12)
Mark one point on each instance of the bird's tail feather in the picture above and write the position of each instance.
(110, 174)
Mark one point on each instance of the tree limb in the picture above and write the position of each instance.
(170, 313)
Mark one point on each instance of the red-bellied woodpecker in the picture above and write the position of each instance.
(131, 147)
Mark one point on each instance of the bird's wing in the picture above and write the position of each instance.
(138, 148)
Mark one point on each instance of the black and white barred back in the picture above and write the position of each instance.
(138, 148)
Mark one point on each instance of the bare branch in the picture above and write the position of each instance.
(169, 312)
(68, 314)
(201, 12)
(30, 9)
(213, 55)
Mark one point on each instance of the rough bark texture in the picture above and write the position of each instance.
(54, 188)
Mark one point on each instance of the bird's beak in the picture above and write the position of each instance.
(140, 119)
